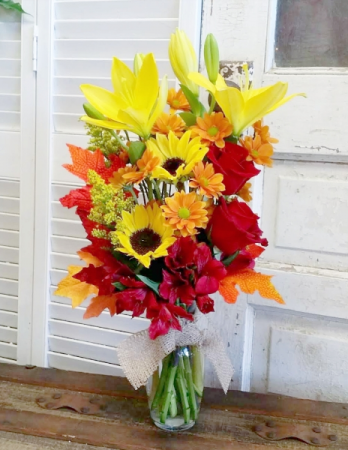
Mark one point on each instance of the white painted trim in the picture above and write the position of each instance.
(271, 30)
(43, 184)
(190, 20)
(27, 186)
(247, 348)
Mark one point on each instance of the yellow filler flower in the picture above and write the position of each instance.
(177, 156)
(244, 107)
(145, 234)
(183, 59)
(136, 102)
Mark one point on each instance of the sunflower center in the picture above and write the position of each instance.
(184, 213)
(172, 165)
(145, 240)
(213, 131)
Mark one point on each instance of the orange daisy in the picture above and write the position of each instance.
(166, 122)
(263, 132)
(117, 179)
(206, 180)
(258, 152)
(177, 101)
(145, 165)
(213, 127)
(245, 193)
(185, 213)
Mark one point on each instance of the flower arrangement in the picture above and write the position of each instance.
(165, 208)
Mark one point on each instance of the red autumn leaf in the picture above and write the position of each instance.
(98, 304)
(85, 160)
(116, 163)
(78, 197)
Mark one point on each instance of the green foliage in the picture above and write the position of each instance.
(136, 150)
(102, 139)
(196, 106)
(189, 118)
(9, 4)
(151, 284)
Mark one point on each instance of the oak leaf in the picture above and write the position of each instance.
(89, 258)
(98, 304)
(78, 197)
(74, 289)
(249, 282)
(85, 160)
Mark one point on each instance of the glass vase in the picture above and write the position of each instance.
(175, 390)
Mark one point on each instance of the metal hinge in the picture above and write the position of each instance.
(35, 47)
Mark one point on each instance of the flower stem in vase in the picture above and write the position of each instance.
(197, 366)
(190, 387)
(154, 385)
(161, 383)
(173, 407)
(181, 387)
(168, 391)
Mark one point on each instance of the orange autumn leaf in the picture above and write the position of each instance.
(254, 250)
(249, 282)
(98, 304)
(84, 160)
(89, 258)
(74, 289)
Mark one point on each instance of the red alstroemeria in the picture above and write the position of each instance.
(234, 226)
(164, 316)
(205, 304)
(174, 287)
(180, 254)
(209, 271)
(233, 165)
(135, 298)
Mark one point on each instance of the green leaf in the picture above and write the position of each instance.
(227, 261)
(151, 284)
(9, 4)
(196, 106)
(119, 286)
(135, 151)
(189, 118)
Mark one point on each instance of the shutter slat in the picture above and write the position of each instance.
(126, 9)
(9, 205)
(8, 303)
(115, 29)
(61, 261)
(10, 31)
(8, 319)
(10, 67)
(10, 49)
(8, 335)
(121, 322)
(82, 349)
(9, 271)
(10, 102)
(10, 85)
(68, 228)
(68, 123)
(67, 245)
(9, 238)
(9, 221)
(9, 120)
(8, 350)
(86, 333)
(63, 213)
(9, 188)
(9, 254)
(75, 364)
(8, 287)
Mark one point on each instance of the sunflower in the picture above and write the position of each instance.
(177, 101)
(185, 213)
(206, 180)
(178, 156)
(145, 234)
(167, 122)
(258, 152)
(213, 127)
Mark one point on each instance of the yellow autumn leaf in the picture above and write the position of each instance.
(74, 289)
(89, 258)
(249, 282)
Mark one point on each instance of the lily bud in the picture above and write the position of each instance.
(211, 57)
(92, 112)
(183, 59)
(138, 62)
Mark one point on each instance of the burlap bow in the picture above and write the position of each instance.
(140, 356)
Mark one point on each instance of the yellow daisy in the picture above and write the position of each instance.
(145, 235)
(177, 156)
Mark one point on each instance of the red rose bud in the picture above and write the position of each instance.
(233, 165)
(234, 226)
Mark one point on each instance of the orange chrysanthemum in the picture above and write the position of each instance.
(145, 165)
(213, 127)
(166, 123)
(258, 152)
(245, 193)
(177, 101)
(206, 180)
(117, 179)
(185, 213)
(263, 132)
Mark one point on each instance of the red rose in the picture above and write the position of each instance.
(233, 165)
(234, 226)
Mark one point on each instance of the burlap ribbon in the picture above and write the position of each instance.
(140, 356)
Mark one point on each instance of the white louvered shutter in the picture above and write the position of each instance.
(86, 36)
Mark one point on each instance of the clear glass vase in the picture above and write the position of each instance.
(175, 390)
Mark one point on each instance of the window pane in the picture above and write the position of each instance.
(312, 33)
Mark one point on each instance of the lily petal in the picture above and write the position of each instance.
(104, 101)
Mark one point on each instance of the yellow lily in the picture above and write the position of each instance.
(183, 59)
(136, 102)
(244, 107)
